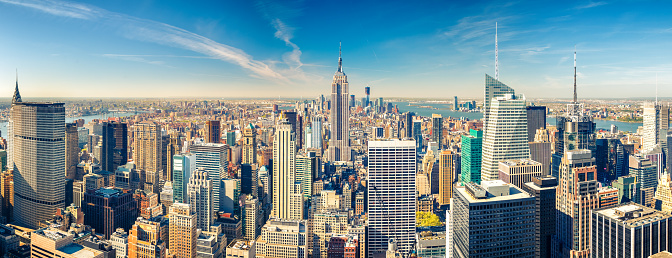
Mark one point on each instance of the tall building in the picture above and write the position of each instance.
(316, 135)
(493, 89)
(307, 170)
(71, 151)
(629, 230)
(646, 172)
(505, 137)
(230, 196)
(612, 159)
(115, 146)
(408, 125)
(536, 119)
(391, 194)
(326, 224)
(446, 176)
(656, 123)
(183, 231)
(213, 157)
(37, 157)
(174, 147)
(339, 143)
(199, 191)
(576, 198)
(628, 189)
(543, 189)
(249, 181)
(251, 218)
(250, 144)
(283, 239)
(144, 240)
(147, 146)
(456, 106)
(437, 129)
(284, 174)
(664, 194)
(477, 233)
(519, 172)
(540, 150)
(107, 209)
(472, 145)
(213, 131)
(7, 191)
(183, 166)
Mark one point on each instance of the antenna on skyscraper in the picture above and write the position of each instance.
(496, 55)
(656, 89)
(340, 69)
(574, 73)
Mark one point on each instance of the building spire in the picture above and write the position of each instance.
(656, 89)
(340, 60)
(496, 55)
(17, 97)
(575, 74)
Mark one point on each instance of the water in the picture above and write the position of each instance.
(445, 111)
(3, 125)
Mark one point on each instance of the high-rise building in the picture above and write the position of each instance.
(144, 240)
(471, 156)
(199, 191)
(446, 176)
(437, 129)
(628, 189)
(183, 231)
(646, 172)
(283, 239)
(540, 150)
(183, 166)
(493, 89)
(251, 218)
(241, 248)
(611, 159)
(629, 230)
(213, 131)
(576, 198)
(115, 146)
(456, 106)
(147, 147)
(326, 224)
(316, 135)
(230, 196)
(231, 138)
(213, 157)
(174, 147)
(505, 137)
(307, 167)
(37, 157)
(656, 123)
(519, 172)
(284, 174)
(249, 179)
(250, 144)
(391, 194)
(339, 143)
(474, 227)
(408, 125)
(107, 209)
(367, 91)
(664, 194)
(71, 151)
(148, 204)
(543, 189)
(536, 119)
(7, 191)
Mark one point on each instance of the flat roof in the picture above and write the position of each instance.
(514, 194)
(632, 214)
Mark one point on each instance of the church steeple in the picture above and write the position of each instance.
(17, 96)
(340, 60)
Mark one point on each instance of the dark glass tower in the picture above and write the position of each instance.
(115, 146)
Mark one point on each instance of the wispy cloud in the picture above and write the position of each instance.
(590, 5)
(155, 32)
(133, 58)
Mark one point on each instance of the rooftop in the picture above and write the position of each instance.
(520, 162)
(240, 244)
(502, 192)
(633, 215)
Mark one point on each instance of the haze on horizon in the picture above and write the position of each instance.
(256, 49)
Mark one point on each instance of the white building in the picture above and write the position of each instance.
(656, 123)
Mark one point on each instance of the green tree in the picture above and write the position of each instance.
(427, 219)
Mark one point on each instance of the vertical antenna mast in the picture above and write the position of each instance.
(496, 55)
(656, 89)
(575, 74)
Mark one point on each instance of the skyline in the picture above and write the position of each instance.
(131, 49)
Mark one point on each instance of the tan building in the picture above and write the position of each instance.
(287, 198)
(240, 248)
(48, 243)
(446, 176)
(249, 144)
(664, 193)
(183, 231)
(147, 146)
(519, 172)
(212, 131)
(283, 239)
(325, 225)
(7, 190)
(144, 240)
(252, 218)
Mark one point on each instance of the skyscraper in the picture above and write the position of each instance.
(536, 119)
(408, 125)
(174, 147)
(183, 231)
(645, 171)
(213, 158)
(115, 146)
(147, 146)
(316, 135)
(455, 105)
(543, 189)
(493, 89)
(656, 123)
(339, 143)
(471, 156)
(37, 157)
(213, 131)
(519, 172)
(249, 179)
(437, 129)
(251, 218)
(505, 136)
(284, 173)
(446, 176)
(249, 144)
(71, 150)
(107, 209)
(183, 166)
(199, 191)
(283, 239)
(540, 150)
(144, 240)
(391, 194)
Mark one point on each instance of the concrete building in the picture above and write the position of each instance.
(48, 243)
(536, 119)
(38, 165)
(213, 131)
(183, 166)
(284, 175)
(473, 225)
(213, 158)
(446, 176)
(391, 203)
(250, 144)
(119, 241)
(430, 244)
(629, 230)
(240, 248)
(339, 142)
(147, 146)
(283, 239)
(251, 218)
(144, 240)
(437, 129)
(656, 123)
(183, 231)
(115, 146)
(71, 151)
(519, 172)
(324, 226)
(199, 191)
(107, 209)
(544, 190)
(646, 172)
(540, 151)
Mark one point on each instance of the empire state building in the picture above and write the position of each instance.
(339, 144)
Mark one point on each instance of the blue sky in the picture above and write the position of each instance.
(433, 49)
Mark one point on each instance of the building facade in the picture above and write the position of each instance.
(339, 142)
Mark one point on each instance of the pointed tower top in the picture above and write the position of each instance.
(496, 55)
(575, 74)
(17, 97)
(656, 89)
(340, 61)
